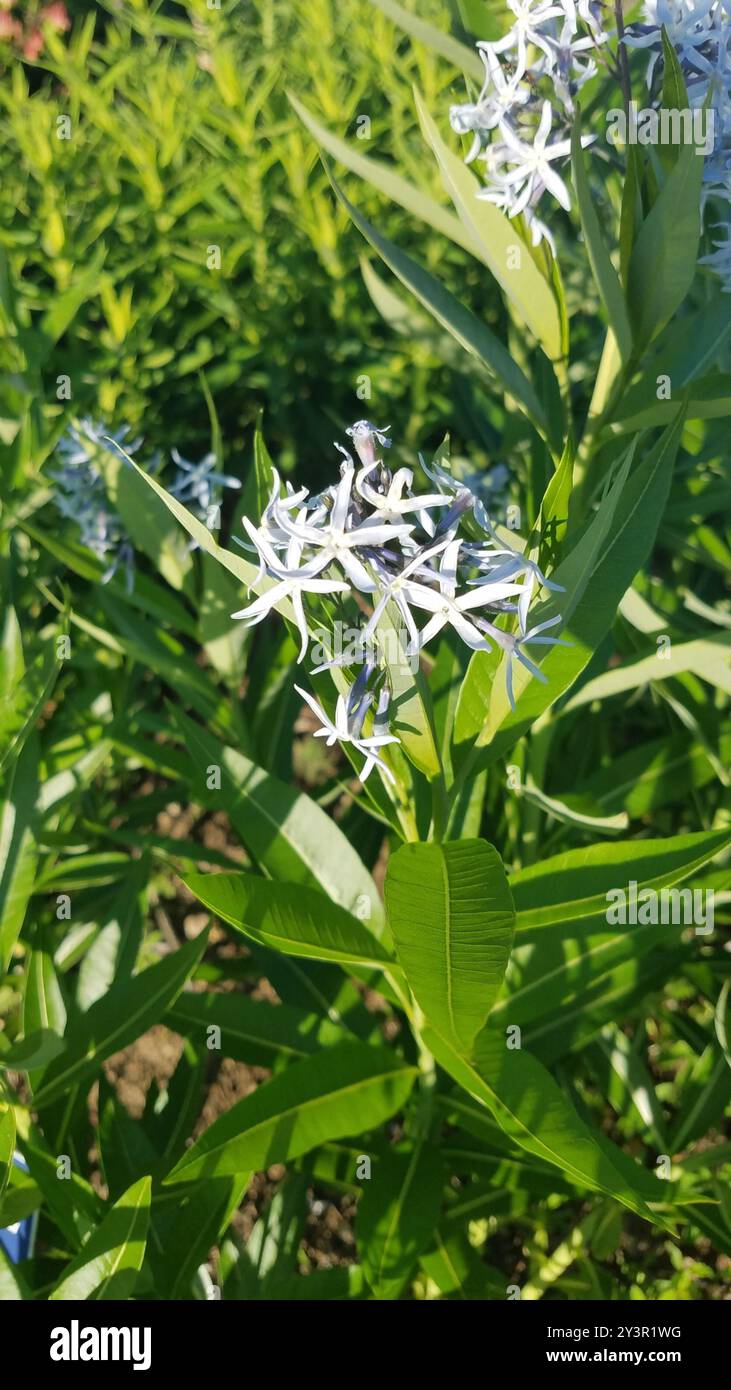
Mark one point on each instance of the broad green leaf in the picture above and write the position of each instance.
(120, 1016)
(289, 917)
(663, 260)
(451, 914)
(285, 831)
(709, 398)
(398, 1215)
(252, 1031)
(108, 1264)
(605, 275)
(469, 331)
(113, 955)
(345, 1090)
(265, 1263)
(620, 993)
(564, 967)
(459, 1271)
(535, 1113)
(499, 244)
(655, 774)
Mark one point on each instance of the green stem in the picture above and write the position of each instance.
(424, 1113)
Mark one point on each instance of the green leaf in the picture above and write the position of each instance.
(127, 1010)
(625, 1081)
(23, 703)
(43, 1002)
(285, 831)
(573, 886)
(222, 638)
(200, 1219)
(663, 260)
(242, 569)
(469, 331)
(410, 713)
(398, 1215)
(13, 1288)
(36, 1050)
(451, 914)
(605, 275)
(113, 955)
(263, 1269)
(146, 519)
(533, 1110)
(290, 917)
(456, 53)
(595, 574)
(17, 848)
(252, 1031)
(708, 657)
(65, 306)
(346, 1090)
(108, 1264)
(7, 1144)
(386, 180)
(497, 240)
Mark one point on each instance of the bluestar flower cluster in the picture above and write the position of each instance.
(434, 556)
(81, 493)
(522, 116)
(700, 31)
(82, 497)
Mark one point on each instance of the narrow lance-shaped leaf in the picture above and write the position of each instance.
(470, 332)
(121, 1015)
(108, 1264)
(606, 277)
(447, 47)
(283, 828)
(534, 1112)
(289, 917)
(346, 1090)
(498, 240)
(7, 1144)
(592, 595)
(398, 1215)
